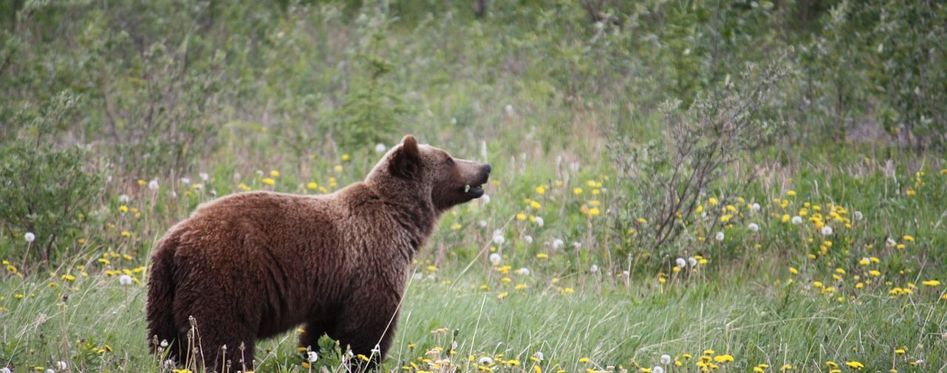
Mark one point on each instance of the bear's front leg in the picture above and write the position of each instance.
(366, 325)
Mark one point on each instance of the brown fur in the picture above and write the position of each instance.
(253, 265)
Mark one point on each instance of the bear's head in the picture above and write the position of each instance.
(429, 174)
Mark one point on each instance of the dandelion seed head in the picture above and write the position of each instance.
(312, 356)
(755, 207)
(665, 359)
(482, 223)
(719, 236)
(29, 237)
(557, 244)
(827, 230)
(380, 148)
(498, 238)
(124, 198)
(681, 262)
(486, 360)
(657, 369)
(153, 184)
(528, 239)
(204, 176)
(125, 280)
(692, 261)
(594, 268)
(61, 365)
(495, 259)
(753, 227)
(539, 221)
(186, 180)
(796, 220)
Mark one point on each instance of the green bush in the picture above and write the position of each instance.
(46, 190)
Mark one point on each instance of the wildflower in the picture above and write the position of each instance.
(482, 223)
(503, 295)
(680, 262)
(68, 278)
(485, 199)
(692, 261)
(858, 216)
(755, 207)
(793, 270)
(557, 244)
(498, 238)
(539, 221)
(204, 176)
(725, 358)
(509, 109)
(665, 359)
(931, 283)
(29, 237)
(796, 220)
(908, 238)
(713, 201)
(753, 227)
(657, 369)
(594, 268)
(485, 360)
(523, 271)
(719, 236)
(538, 356)
(124, 198)
(337, 168)
(61, 365)
(521, 216)
(855, 365)
(786, 367)
(269, 181)
(827, 230)
(542, 256)
(186, 180)
(312, 356)
(153, 184)
(540, 190)
(584, 360)
(495, 259)
(125, 280)
(577, 191)
(594, 211)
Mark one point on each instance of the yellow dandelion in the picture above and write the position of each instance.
(269, 181)
(855, 365)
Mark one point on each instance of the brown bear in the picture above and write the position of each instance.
(253, 265)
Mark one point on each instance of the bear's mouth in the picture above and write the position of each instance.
(474, 191)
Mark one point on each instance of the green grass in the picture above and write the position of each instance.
(609, 324)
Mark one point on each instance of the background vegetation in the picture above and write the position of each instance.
(740, 185)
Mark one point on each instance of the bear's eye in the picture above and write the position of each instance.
(450, 161)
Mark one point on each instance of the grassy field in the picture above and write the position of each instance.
(789, 296)
(813, 239)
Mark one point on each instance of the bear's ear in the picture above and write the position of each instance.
(406, 161)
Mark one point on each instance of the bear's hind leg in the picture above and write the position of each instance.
(367, 330)
(216, 328)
